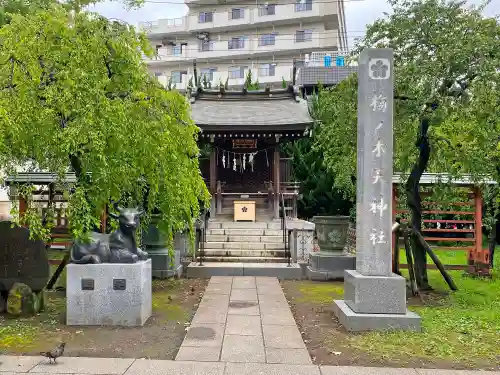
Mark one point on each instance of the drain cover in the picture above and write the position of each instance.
(201, 333)
(242, 305)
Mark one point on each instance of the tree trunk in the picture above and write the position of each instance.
(414, 203)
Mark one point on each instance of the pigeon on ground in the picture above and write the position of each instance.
(54, 353)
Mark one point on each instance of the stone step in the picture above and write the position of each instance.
(279, 253)
(245, 232)
(234, 259)
(244, 246)
(279, 270)
(225, 238)
(275, 225)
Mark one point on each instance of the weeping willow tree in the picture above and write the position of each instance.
(447, 101)
(76, 96)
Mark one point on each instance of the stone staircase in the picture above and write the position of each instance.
(244, 242)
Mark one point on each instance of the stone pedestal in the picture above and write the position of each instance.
(375, 303)
(329, 266)
(163, 266)
(108, 294)
(330, 262)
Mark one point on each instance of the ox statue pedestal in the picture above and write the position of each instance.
(108, 294)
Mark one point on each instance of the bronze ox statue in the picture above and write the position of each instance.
(117, 247)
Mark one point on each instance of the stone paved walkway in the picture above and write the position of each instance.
(244, 319)
(10, 365)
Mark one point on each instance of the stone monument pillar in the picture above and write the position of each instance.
(375, 298)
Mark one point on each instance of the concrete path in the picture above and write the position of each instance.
(244, 319)
(129, 366)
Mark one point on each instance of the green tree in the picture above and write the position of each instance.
(23, 7)
(75, 92)
(318, 195)
(446, 67)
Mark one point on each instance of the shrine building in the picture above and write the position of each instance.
(243, 131)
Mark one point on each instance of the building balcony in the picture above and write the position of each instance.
(164, 26)
(291, 13)
(164, 55)
(164, 80)
(221, 20)
(314, 40)
(264, 76)
(282, 44)
(248, 17)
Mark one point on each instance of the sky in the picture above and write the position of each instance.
(359, 13)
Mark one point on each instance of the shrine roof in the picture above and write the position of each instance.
(435, 178)
(332, 75)
(264, 109)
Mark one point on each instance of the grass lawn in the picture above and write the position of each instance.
(460, 329)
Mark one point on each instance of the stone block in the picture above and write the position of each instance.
(268, 368)
(17, 364)
(108, 294)
(375, 294)
(22, 260)
(355, 322)
(243, 325)
(84, 365)
(279, 270)
(209, 269)
(288, 356)
(160, 367)
(199, 354)
(162, 265)
(325, 261)
(238, 348)
(282, 337)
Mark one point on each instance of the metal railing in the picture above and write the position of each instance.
(288, 253)
(201, 236)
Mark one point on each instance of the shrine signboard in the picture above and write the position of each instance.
(245, 143)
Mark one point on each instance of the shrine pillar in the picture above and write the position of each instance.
(276, 178)
(213, 179)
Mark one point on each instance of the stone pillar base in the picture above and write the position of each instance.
(356, 322)
(375, 294)
(109, 294)
(329, 266)
(375, 303)
(163, 266)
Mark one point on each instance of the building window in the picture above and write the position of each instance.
(236, 43)
(237, 14)
(267, 39)
(303, 36)
(267, 70)
(177, 50)
(176, 77)
(209, 73)
(267, 10)
(236, 72)
(206, 17)
(206, 45)
(303, 5)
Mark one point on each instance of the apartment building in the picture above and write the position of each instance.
(228, 38)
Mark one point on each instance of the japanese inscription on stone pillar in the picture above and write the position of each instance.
(374, 174)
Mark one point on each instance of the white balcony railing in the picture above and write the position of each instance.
(166, 54)
(279, 72)
(165, 25)
(248, 46)
(277, 13)
(335, 58)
